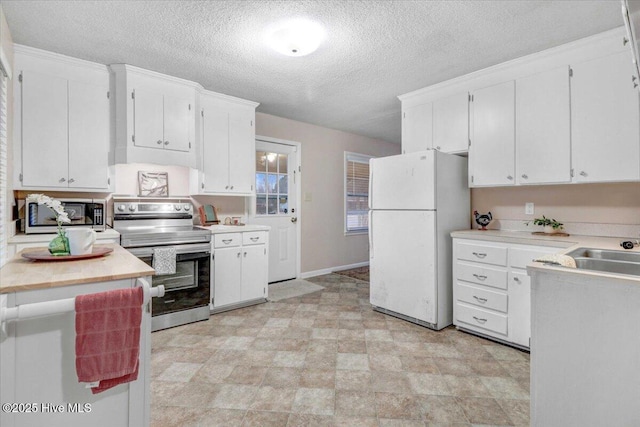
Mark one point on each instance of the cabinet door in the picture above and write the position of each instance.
(227, 276)
(543, 128)
(491, 154)
(519, 307)
(44, 131)
(254, 272)
(451, 123)
(417, 128)
(242, 147)
(215, 147)
(177, 123)
(148, 119)
(88, 135)
(605, 120)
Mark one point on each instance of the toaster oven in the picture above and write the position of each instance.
(89, 213)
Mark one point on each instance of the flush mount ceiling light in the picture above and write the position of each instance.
(298, 37)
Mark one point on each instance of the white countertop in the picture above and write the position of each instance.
(217, 229)
(564, 244)
(109, 233)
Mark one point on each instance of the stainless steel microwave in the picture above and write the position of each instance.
(90, 213)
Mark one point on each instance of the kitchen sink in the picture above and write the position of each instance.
(618, 262)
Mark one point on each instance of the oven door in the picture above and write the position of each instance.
(189, 286)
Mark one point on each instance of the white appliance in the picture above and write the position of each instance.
(415, 201)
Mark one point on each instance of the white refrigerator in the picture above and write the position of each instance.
(415, 201)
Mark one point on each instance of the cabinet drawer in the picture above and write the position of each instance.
(482, 297)
(227, 240)
(254, 237)
(483, 319)
(521, 257)
(482, 275)
(482, 253)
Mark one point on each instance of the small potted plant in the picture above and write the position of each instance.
(550, 225)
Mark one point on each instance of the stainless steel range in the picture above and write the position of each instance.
(145, 226)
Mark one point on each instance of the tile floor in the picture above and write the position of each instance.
(327, 359)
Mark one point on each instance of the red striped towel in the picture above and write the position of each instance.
(108, 337)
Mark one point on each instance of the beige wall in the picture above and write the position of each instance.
(617, 203)
(324, 244)
(6, 47)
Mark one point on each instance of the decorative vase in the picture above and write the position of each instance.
(550, 230)
(59, 246)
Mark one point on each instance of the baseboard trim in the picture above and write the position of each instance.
(314, 273)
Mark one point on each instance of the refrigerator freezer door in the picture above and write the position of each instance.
(403, 263)
(403, 182)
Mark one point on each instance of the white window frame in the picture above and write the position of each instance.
(353, 157)
(5, 77)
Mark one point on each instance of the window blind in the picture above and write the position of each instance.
(356, 192)
(3, 168)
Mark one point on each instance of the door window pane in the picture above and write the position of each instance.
(283, 204)
(261, 183)
(261, 205)
(282, 184)
(272, 165)
(261, 161)
(282, 163)
(272, 208)
(272, 181)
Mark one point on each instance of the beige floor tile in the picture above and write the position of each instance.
(308, 420)
(504, 388)
(377, 335)
(390, 382)
(289, 359)
(320, 361)
(400, 423)
(428, 383)
(340, 421)
(441, 409)
(516, 410)
(282, 377)
(234, 396)
(316, 378)
(316, 401)
(247, 375)
(353, 380)
(276, 399)
(180, 372)
(217, 417)
(355, 403)
(384, 362)
(397, 406)
(265, 419)
(466, 386)
(352, 347)
(459, 367)
(483, 411)
(352, 361)
(419, 364)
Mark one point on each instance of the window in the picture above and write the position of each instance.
(272, 183)
(3, 167)
(356, 192)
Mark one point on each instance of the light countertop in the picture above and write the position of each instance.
(109, 233)
(21, 274)
(217, 229)
(564, 244)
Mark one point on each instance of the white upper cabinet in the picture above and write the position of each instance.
(417, 128)
(451, 123)
(543, 128)
(491, 155)
(155, 117)
(227, 141)
(605, 120)
(62, 122)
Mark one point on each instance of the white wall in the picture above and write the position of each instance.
(324, 244)
(6, 49)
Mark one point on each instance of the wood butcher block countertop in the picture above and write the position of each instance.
(21, 274)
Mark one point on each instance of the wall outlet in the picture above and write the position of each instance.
(529, 208)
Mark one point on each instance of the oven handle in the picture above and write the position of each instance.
(180, 249)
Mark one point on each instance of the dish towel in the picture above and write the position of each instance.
(108, 337)
(164, 261)
(557, 259)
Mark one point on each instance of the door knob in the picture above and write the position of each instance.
(294, 219)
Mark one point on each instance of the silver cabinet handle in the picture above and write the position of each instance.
(509, 177)
(166, 143)
(62, 180)
(438, 147)
(226, 188)
(169, 301)
(231, 188)
(482, 321)
(239, 253)
(227, 241)
(245, 254)
(583, 173)
(202, 185)
(516, 279)
(482, 300)
(480, 276)
(71, 181)
(524, 175)
(159, 142)
(479, 255)
(254, 239)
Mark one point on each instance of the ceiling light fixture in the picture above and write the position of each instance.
(298, 37)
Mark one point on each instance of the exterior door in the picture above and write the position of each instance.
(277, 178)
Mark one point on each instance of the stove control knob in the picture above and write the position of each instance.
(187, 207)
(121, 208)
(132, 208)
(177, 207)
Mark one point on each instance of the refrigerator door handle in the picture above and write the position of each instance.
(370, 234)
(370, 187)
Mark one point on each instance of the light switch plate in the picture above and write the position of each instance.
(307, 197)
(529, 208)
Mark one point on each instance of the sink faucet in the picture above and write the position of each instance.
(630, 244)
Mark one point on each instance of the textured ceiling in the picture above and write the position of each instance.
(373, 52)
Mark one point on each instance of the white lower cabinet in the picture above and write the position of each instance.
(491, 289)
(240, 269)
